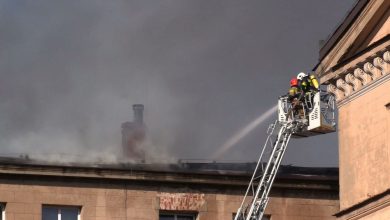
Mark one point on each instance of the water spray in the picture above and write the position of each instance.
(244, 132)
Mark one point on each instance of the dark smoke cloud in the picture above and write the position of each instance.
(70, 71)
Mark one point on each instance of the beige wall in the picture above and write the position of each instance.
(302, 209)
(24, 202)
(364, 134)
(106, 202)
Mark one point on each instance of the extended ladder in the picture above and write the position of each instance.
(319, 118)
(262, 178)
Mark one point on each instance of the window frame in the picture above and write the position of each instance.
(60, 208)
(194, 215)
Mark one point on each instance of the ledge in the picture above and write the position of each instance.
(366, 207)
(222, 174)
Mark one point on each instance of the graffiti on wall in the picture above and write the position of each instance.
(181, 201)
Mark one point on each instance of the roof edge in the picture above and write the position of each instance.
(341, 29)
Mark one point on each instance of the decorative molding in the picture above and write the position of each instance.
(364, 90)
(382, 65)
(347, 88)
(356, 61)
(352, 33)
(386, 56)
(363, 76)
(353, 81)
(335, 91)
(374, 70)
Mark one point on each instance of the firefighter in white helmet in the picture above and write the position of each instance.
(307, 83)
(309, 86)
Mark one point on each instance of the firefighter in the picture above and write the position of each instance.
(295, 97)
(294, 91)
(309, 86)
(307, 83)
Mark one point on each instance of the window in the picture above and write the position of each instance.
(179, 216)
(266, 217)
(60, 213)
(2, 209)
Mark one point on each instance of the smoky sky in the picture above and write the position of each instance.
(70, 71)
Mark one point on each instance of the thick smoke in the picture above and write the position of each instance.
(70, 71)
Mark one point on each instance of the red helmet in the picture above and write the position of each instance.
(294, 82)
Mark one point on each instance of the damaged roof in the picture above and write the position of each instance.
(208, 171)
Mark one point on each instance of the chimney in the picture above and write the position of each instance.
(133, 135)
(138, 114)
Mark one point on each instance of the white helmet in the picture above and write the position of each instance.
(301, 75)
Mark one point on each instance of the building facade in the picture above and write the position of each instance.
(32, 190)
(355, 64)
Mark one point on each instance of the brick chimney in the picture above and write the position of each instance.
(133, 135)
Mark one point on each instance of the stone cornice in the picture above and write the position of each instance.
(369, 74)
(350, 36)
(374, 50)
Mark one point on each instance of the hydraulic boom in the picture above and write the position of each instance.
(317, 118)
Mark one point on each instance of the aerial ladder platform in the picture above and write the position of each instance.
(315, 116)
